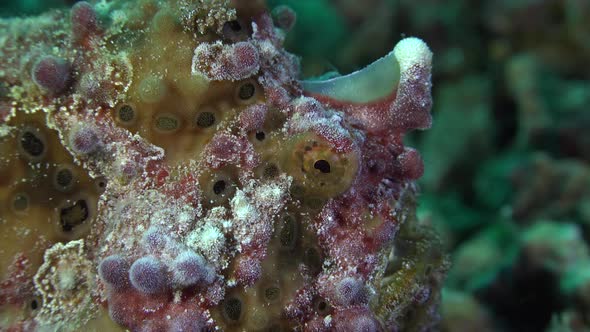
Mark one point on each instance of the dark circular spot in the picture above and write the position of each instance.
(34, 305)
(219, 187)
(167, 123)
(246, 91)
(270, 171)
(297, 192)
(311, 258)
(272, 293)
(232, 309)
(126, 113)
(32, 143)
(260, 135)
(322, 165)
(64, 178)
(73, 215)
(322, 306)
(288, 233)
(235, 31)
(205, 119)
(20, 202)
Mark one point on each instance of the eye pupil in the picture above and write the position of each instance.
(260, 135)
(322, 165)
(34, 304)
(235, 26)
(219, 187)
(100, 184)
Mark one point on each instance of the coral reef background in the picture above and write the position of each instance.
(507, 180)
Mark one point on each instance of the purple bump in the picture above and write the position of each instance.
(252, 118)
(189, 269)
(356, 320)
(364, 322)
(84, 20)
(148, 275)
(120, 313)
(52, 74)
(155, 240)
(210, 275)
(245, 59)
(411, 164)
(284, 17)
(84, 140)
(114, 270)
(248, 270)
(187, 322)
(349, 291)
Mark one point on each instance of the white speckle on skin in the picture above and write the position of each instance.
(208, 240)
(242, 208)
(4, 130)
